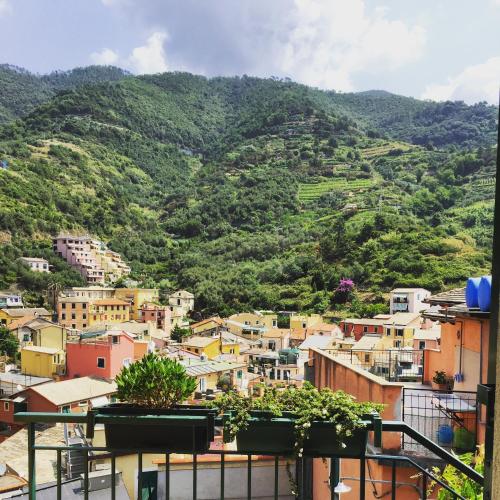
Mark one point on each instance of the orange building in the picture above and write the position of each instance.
(336, 374)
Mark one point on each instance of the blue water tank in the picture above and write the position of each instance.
(484, 293)
(445, 435)
(471, 291)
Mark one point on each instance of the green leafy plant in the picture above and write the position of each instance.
(307, 404)
(155, 382)
(458, 481)
(440, 378)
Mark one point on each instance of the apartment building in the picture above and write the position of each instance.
(137, 297)
(408, 300)
(36, 265)
(90, 258)
(79, 313)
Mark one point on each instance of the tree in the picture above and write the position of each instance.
(8, 342)
(178, 333)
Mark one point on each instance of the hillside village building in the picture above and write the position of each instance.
(36, 265)
(408, 300)
(8, 299)
(91, 258)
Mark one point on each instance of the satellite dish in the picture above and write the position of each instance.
(3, 469)
(19, 387)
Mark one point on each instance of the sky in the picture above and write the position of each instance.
(429, 49)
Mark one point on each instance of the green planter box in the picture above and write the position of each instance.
(185, 430)
(276, 436)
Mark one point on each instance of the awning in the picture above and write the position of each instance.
(99, 401)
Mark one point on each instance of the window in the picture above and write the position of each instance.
(388, 332)
(239, 374)
(73, 316)
(375, 329)
(73, 305)
(203, 384)
(65, 409)
(421, 344)
(367, 358)
(101, 363)
(126, 362)
(63, 305)
(84, 316)
(397, 343)
(84, 325)
(116, 339)
(84, 305)
(6, 406)
(26, 337)
(365, 329)
(399, 332)
(247, 322)
(63, 316)
(275, 323)
(73, 326)
(304, 324)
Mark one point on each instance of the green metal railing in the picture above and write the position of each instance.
(91, 418)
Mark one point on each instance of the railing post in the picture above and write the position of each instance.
(390, 366)
(31, 461)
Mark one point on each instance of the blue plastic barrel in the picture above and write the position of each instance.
(445, 435)
(484, 293)
(471, 291)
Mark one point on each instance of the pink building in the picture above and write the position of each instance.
(161, 316)
(77, 251)
(102, 354)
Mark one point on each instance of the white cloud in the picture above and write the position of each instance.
(105, 56)
(326, 42)
(150, 58)
(5, 7)
(479, 82)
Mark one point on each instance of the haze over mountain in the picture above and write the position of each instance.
(249, 192)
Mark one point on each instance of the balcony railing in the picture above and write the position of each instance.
(394, 365)
(448, 418)
(301, 472)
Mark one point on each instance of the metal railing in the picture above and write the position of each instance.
(449, 418)
(394, 365)
(301, 473)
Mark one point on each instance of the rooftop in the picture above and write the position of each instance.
(19, 312)
(44, 350)
(199, 341)
(402, 319)
(22, 379)
(367, 342)
(450, 297)
(74, 390)
(318, 341)
(198, 367)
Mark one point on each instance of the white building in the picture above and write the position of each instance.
(183, 300)
(8, 299)
(35, 264)
(409, 300)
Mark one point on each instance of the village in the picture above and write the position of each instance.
(423, 360)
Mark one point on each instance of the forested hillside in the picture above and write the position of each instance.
(21, 91)
(251, 192)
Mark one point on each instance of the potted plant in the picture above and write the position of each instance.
(156, 386)
(297, 421)
(441, 381)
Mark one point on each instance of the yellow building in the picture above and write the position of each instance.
(8, 315)
(400, 329)
(208, 373)
(136, 297)
(207, 346)
(42, 361)
(230, 348)
(39, 332)
(256, 319)
(209, 326)
(108, 311)
(302, 321)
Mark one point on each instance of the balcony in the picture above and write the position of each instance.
(222, 472)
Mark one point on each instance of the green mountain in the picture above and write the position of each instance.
(21, 91)
(252, 192)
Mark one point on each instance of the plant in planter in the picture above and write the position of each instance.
(155, 386)
(297, 422)
(441, 381)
